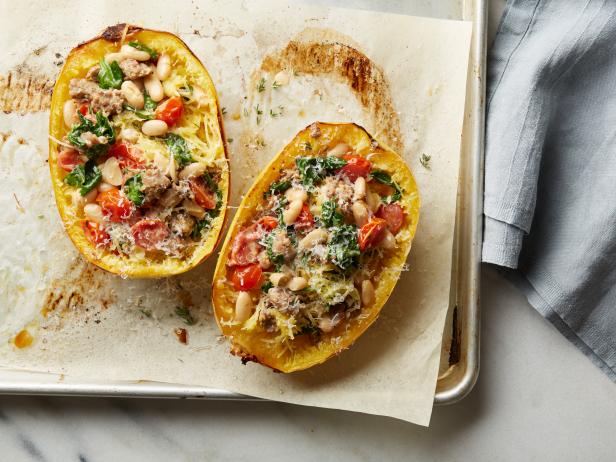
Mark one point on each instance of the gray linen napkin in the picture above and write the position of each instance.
(550, 185)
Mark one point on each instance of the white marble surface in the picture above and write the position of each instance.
(537, 398)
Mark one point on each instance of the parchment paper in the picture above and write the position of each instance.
(87, 323)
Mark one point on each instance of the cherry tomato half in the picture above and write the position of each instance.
(95, 233)
(115, 205)
(356, 166)
(393, 214)
(127, 154)
(371, 233)
(203, 196)
(268, 222)
(170, 110)
(148, 233)
(83, 109)
(246, 277)
(68, 159)
(246, 248)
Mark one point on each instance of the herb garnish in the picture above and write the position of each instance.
(276, 85)
(343, 249)
(223, 110)
(424, 160)
(313, 169)
(261, 85)
(102, 127)
(385, 178)
(140, 46)
(184, 313)
(85, 176)
(178, 147)
(259, 112)
(110, 75)
(133, 189)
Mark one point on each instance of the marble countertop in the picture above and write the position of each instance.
(537, 398)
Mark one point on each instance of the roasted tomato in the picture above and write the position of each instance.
(246, 277)
(83, 109)
(371, 233)
(68, 159)
(268, 222)
(246, 247)
(356, 166)
(203, 196)
(305, 220)
(95, 233)
(128, 155)
(115, 205)
(170, 111)
(393, 214)
(149, 233)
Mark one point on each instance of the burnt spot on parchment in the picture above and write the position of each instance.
(73, 293)
(23, 90)
(356, 69)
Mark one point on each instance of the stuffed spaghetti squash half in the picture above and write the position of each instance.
(316, 248)
(137, 153)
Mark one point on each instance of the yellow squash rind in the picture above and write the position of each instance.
(250, 346)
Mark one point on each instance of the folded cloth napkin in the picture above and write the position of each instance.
(550, 184)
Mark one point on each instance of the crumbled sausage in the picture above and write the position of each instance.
(154, 183)
(132, 69)
(171, 197)
(340, 190)
(282, 245)
(283, 300)
(109, 102)
(93, 72)
(315, 130)
(181, 224)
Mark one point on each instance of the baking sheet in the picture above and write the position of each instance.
(399, 374)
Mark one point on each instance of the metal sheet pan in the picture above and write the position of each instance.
(460, 353)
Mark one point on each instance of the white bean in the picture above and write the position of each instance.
(163, 67)
(374, 201)
(282, 78)
(153, 87)
(133, 95)
(69, 112)
(279, 279)
(91, 196)
(296, 194)
(111, 57)
(132, 52)
(388, 241)
(297, 283)
(360, 213)
(359, 189)
(314, 237)
(129, 134)
(290, 215)
(93, 212)
(243, 307)
(367, 292)
(154, 127)
(111, 171)
(339, 150)
(191, 170)
(102, 187)
(194, 209)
